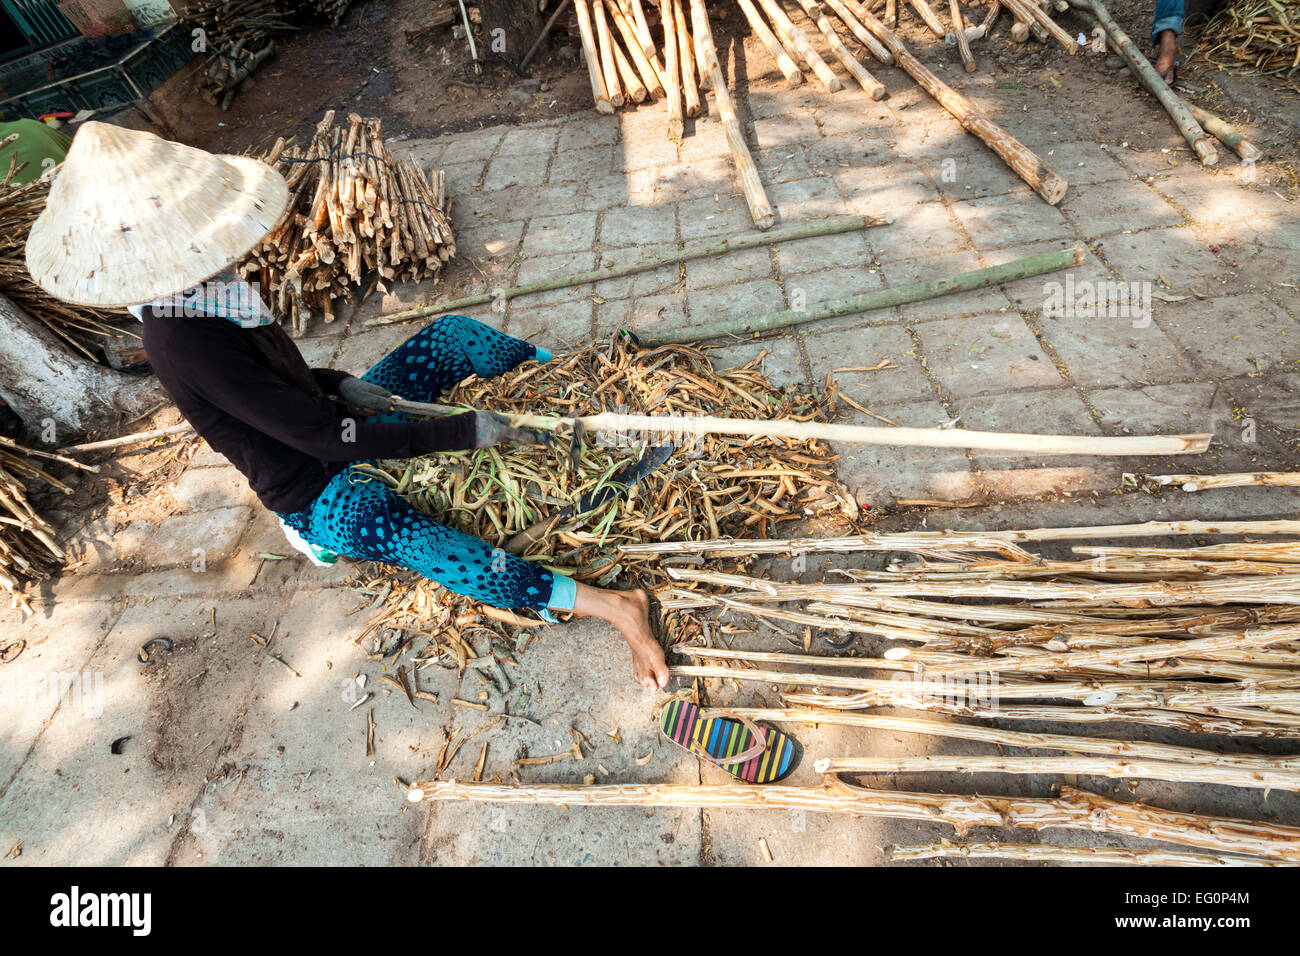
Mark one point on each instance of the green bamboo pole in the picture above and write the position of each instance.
(1220, 129)
(1146, 74)
(1225, 133)
(803, 230)
(1034, 265)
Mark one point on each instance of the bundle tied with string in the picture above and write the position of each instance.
(354, 212)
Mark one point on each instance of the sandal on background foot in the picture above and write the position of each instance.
(736, 744)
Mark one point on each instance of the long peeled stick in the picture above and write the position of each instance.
(1045, 181)
(1074, 809)
(802, 230)
(682, 427)
(879, 299)
(746, 171)
(863, 35)
(1091, 855)
(1122, 767)
(1196, 138)
(912, 540)
(608, 65)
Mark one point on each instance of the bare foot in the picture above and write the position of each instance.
(1166, 56)
(649, 667)
(629, 612)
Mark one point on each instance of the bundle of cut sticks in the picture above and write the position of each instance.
(354, 209)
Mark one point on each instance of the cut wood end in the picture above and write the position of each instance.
(604, 106)
(1206, 152)
(1195, 444)
(1248, 151)
(415, 794)
(1053, 188)
(822, 765)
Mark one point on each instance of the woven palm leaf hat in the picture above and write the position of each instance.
(132, 217)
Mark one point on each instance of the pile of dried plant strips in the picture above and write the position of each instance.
(710, 487)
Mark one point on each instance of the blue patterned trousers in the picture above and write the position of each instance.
(366, 520)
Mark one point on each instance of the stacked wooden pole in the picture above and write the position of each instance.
(354, 210)
(1048, 183)
(623, 60)
(746, 171)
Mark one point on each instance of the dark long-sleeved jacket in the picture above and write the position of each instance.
(249, 393)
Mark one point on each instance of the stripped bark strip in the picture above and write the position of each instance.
(1140, 749)
(1091, 855)
(912, 540)
(1074, 809)
(1112, 767)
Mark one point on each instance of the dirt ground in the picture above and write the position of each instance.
(425, 88)
(365, 64)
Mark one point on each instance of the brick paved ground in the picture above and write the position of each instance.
(233, 759)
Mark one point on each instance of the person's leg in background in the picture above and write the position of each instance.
(1166, 28)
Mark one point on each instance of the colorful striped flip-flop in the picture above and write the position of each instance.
(736, 744)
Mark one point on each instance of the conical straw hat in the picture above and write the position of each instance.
(132, 217)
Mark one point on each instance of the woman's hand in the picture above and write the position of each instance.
(491, 428)
(366, 396)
